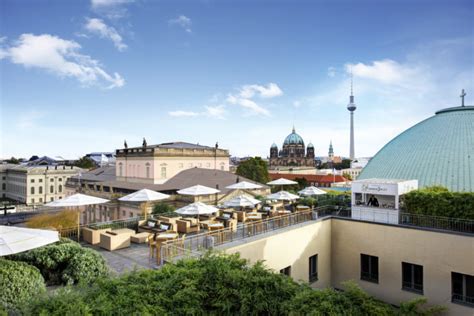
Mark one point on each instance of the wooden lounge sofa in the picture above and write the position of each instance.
(91, 235)
(116, 239)
(155, 226)
(188, 225)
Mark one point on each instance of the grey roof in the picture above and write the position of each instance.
(185, 179)
(178, 145)
(106, 173)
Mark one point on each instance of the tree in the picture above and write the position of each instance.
(85, 163)
(163, 208)
(347, 176)
(255, 169)
(13, 160)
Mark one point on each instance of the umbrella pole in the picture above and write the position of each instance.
(145, 205)
(78, 225)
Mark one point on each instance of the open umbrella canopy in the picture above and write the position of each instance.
(312, 191)
(198, 190)
(282, 181)
(244, 185)
(144, 195)
(282, 195)
(18, 239)
(77, 200)
(242, 201)
(197, 208)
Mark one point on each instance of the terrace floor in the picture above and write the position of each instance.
(135, 257)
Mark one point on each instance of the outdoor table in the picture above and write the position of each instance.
(161, 238)
(139, 238)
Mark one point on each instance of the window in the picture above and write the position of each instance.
(313, 268)
(51, 179)
(123, 213)
(60, 188)
(41, 200)
(51, 189)
(32, 201)
(163, 172)
(40, 189)
(60, 179)
(369, 268)
(32, 180)
(412, 277)
(462, 290)
(120, 169)
(51, 199)
(286, 271)
(40, 180)
(4, 186)
(32, 190)
(147, 170)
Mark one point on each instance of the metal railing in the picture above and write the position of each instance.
(437, 222)
(195, 245)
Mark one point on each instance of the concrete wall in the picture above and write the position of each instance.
(293, 248)
(339, 243)
(438, 253)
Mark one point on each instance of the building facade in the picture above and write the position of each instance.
(35, 185)
(293, 152)
(155, 164)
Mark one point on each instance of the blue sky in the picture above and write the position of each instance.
(81, 76)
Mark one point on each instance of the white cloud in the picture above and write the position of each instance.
(217, 111)
(270, 91)
(98, 27)
(112, 9)
(331, 72)
(28, 119)
(387, 71)
(182, 21)
(250, 105)
(181, 113)
(62, 58)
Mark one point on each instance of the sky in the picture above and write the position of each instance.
(81, 76)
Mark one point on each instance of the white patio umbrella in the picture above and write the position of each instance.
(198, 190)
(309, 191)
(18, 239)
(197, 208)
(282, 181)
(77, 200)
(283, 195)
(144, 195)
(244, 185)
(242, 201)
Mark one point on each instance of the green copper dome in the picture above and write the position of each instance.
(436, 151)
(293, 138)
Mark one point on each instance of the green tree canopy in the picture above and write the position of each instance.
(255, 169)
(85, 163)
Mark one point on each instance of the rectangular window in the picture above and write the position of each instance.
(462, 289)
(32, 201)
(369, 268)
(32, 180)
(51, 179)
(286, 271)
(41, 200)
(313, 268)
(40, 180)
(412, 277)
(60, 179)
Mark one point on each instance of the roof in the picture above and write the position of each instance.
(177, 145)
(436, 151)
(106, 173)
(309, 177)
(184, 179)
(380, 181)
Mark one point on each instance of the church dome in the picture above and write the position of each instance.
(436, 151)
(274, 145)
(310, 145)
(293, 139)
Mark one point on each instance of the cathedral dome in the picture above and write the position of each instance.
(293, 139)
(436, 151)
(274, 145)
(310, 145)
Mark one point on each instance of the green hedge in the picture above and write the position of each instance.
(213, 285)
(438, 201)
(65, 262)
(19, 283)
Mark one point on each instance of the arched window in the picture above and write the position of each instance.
(163, 172)
(60, 188)
(120, 169)
(40, 189)
(32, 189)
(51, 189)
(148, 170)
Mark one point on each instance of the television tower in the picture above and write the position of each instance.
(352, 107)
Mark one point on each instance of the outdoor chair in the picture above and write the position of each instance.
(91, 235)
(186, 226)
(116, 239)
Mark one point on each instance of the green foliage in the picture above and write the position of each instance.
(13, 160)
(65, 301)
(163, 208)
(65, 262)
(438, 201)
(19, 283)
(415, 308)
(254, 169)
(85, 163)
(308, 201)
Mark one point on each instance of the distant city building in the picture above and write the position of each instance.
(436, 151)
(48, 161)
(34, 185)
(102, 158)
(293, 152)
(157, 163)
(351, 107)
(317, 180)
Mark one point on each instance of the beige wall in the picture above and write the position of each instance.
(340, 242)
(293, 248)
